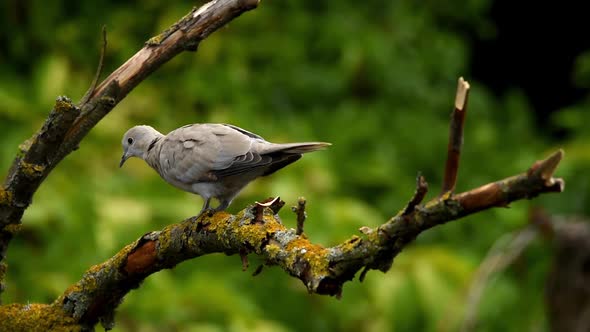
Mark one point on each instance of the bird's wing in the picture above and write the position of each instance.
(208, 152)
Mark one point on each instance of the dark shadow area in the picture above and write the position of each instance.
(534, 49)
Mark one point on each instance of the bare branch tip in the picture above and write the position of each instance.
(419, 194)
(547, 167)
(269, 201)
(366, 230)
(559, 154)
(462, 94)
(421, 183)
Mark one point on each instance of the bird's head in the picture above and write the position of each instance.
(136, 142)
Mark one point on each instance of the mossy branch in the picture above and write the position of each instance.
(255, 230)
(258, 230)
(68, 124)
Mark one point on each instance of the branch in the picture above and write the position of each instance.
(455, 136)
(323, 270)
(301, 214)
(68, 124)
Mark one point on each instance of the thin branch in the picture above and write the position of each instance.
(103, 52)
(244, 258)
(455, 137)
(68, 124)
(419, 194)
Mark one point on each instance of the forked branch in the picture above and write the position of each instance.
(323, 270)
(255, 230)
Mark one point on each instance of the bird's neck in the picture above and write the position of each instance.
(152, 152)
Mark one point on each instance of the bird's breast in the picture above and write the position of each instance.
(208, 189)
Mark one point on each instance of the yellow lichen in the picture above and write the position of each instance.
(62, 105)
(272, 250)
(12, 228)
(271, 225)
(156, 40)
(314, 254)
(36, 317)
(165, 239)
(446, 195)
(351, 243)
(5, 197)
(31, 170)
(2, 271)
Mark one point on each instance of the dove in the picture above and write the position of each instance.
(211, 160)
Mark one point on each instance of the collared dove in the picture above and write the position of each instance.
(211, 160)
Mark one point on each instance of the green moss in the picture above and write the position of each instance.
(36, 317)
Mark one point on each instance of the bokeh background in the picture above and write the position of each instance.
(375, 78)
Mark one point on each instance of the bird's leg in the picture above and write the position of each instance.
(223, 204)
(205, 207)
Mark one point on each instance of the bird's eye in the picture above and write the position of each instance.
(130, 140)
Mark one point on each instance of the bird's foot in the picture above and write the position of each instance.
(209, 212)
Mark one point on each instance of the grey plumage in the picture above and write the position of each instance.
(211, 160)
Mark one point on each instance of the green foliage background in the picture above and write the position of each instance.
(375, 78)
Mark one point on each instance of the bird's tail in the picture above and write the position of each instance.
(299, 148)
(285, 154)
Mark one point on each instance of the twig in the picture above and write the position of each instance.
(103, 52)
(274, 203)
(258, 270)
(244, 258)
(455, 137)
(419, 194)
(301, 214)
(525, 185)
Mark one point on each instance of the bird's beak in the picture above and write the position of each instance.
(123, 158)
